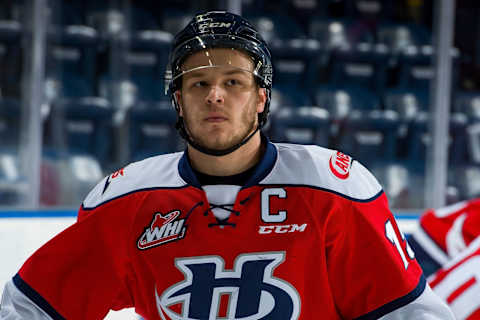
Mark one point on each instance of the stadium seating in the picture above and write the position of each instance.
(349, 54)
(370, 136)
(175, 20)
(146, 61)
(399, 184)
(293, 53)
(409, 104)
(81, 126)
(419, 139)
(467, 179)
(304, 125)
(468, 103)
(9, 122)
(152, 130)
(12, 185)
(10, 58)
(71, 56)
(340, 100)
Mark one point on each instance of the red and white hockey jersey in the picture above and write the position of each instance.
(309, 236)
(446, 232)
(458, 282)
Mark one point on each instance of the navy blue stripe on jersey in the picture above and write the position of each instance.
(36, 297)
(265, 165)
(131, 192)
(397, 303)
(261, 171)
(323, 189)
(186, 172)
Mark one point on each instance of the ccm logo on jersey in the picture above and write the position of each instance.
(282, 228)
(340, 165)
(163, 228)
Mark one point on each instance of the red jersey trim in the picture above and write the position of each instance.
(397, 303)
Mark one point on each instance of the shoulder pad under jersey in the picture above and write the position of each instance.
(155, 172)
(325, 169)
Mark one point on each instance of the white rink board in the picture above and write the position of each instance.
(20, 237)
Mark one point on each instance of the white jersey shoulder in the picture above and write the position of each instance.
(322, 168)
(155, 172)
(428, 306)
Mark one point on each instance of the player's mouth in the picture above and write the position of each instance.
(215, 119)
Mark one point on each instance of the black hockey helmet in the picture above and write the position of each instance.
(218, 29)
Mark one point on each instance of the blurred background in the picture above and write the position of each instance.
(395, 84)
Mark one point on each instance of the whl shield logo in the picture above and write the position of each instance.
(163, 228)
(248, 292)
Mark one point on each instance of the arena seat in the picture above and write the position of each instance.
(467, 179)
(467, 102)
(9, 122)
(12, 185)
(81, 126)
(349, 53)
(293, 53)
(340, 100)
(11, 58)
(152, 130)
(370, 136)
(419, 140)
(304, 125)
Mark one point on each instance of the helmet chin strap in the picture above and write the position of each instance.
(212, 152)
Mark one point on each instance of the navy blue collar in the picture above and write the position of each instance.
(262, 168)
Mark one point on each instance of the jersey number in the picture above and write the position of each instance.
(398, 243)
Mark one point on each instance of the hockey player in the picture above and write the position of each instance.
(235, 227)
(444, 233)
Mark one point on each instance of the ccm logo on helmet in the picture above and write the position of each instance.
(340, 165)
(205, 26)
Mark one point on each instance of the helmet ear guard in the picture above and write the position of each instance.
(218, 29)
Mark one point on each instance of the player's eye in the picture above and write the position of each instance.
(233, 82)
(199, 84)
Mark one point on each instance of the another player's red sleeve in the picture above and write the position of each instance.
(453, 227)
(371, 268)
(83, 272)
(458, 283)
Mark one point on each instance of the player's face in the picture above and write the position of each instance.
(219, 100)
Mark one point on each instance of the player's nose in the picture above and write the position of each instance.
(216, 94)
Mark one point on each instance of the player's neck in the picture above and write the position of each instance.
(236, 162)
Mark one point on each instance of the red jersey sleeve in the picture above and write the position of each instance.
(83, 272)
(454, 227)
(372, 270)
(458, 283)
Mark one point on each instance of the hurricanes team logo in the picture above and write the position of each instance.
(248, 292)
(340, 165)
(163, 228)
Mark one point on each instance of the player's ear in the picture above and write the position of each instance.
(261, 99)
(178, 98)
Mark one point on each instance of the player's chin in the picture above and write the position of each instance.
(219, 142)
